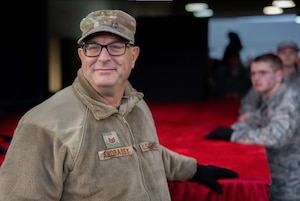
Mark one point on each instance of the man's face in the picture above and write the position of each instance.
(106, 71)
(264, 79)
(288, 57)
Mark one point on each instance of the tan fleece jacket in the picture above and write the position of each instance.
(74, 147)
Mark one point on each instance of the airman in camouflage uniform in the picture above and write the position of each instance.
(287, 51)
(276, 125)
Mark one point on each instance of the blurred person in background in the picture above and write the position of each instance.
(287, 51)
(232, 79)
(275, 125)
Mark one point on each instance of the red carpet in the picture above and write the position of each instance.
(182, 126)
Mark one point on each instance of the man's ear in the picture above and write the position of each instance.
(135, 54)
(80, 53)
(279, 74)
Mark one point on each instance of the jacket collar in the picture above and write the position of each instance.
(96, 103)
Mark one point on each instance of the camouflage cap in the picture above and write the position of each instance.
(113, 21)
(287, 44)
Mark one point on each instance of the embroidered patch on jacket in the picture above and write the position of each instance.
(111, 139)
(147, 146)
(117, 152)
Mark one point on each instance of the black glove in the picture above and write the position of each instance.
(208, 176)
(220, 133)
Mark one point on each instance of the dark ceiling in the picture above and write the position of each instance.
(64, 15)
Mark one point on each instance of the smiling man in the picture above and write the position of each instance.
(96, 139)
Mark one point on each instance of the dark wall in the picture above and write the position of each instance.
(170, 66)
(23, 54)
(172, 61)
(70, 61)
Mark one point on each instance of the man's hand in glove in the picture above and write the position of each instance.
(208, 176)
(220, 133)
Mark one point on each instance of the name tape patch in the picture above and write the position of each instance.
(117, 152)
(147, 146)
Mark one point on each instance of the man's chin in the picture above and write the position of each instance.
(258, 89)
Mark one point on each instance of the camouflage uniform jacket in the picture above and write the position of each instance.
(74, 147)
(276, 125)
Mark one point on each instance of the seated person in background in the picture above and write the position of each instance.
(275, 124)
(287, 52)
(96, 139)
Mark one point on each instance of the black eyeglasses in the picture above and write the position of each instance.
(261, 73)
(113, 49)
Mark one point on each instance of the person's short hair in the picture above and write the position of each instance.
(273, 59)
(112, 21)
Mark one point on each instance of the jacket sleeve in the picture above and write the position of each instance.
(274, 131)
(177, 166)
(28, 172)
